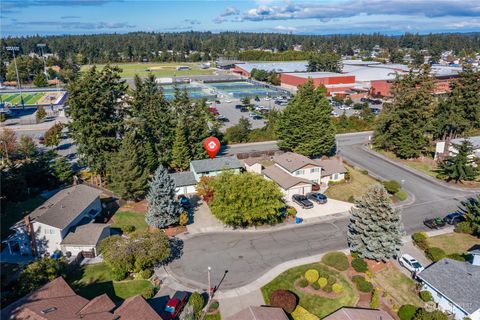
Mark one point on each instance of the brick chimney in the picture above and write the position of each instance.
(31, 235)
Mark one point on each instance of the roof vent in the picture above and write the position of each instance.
(48, 310)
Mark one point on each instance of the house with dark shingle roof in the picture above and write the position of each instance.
(259, 313)
(63, 222)
(455, 287)
(185, 182)
(348, 313)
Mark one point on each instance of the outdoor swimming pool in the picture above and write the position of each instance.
(194, 91)
(240, 89)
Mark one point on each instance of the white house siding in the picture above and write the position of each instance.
(185, 190)
(48, 238)
(334, 177)
(75, 250)
(256, 168)
(298, 189)
(475, 315)
(305, 173)
(445, 304)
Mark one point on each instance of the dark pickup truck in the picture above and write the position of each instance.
(434, 223)
(302, 201)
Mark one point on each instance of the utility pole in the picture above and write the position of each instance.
(41, 46)
(209, 285)
(13, 49)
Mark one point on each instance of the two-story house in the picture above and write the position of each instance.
(63, 222)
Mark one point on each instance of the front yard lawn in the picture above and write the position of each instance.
(315, 304)
(346, 191)
(93, 280)
(400, 287)
(126, 218)
(423, 166)
(453, 242)
(13, 212)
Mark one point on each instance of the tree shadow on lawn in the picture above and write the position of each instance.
(176, 251)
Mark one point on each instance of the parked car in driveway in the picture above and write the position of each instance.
(302, 201)
(410, 263)
(317, 197)
(454, 218)
(176, 303)
(434, 223)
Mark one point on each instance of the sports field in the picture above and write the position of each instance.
(168, 69)
(33, 98)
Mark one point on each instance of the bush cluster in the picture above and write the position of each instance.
(311, 275)
(359, 265)
(426, 296)
(435, 254)
(337, 260)
(128, 228)
(337, 288)
(464, 227)
(283, 299)
(457, 256)
(407, 312)
(375, 302)
(301, 313)
(362, 284)
(316, 285)
(322, 282)
(420, 239)
(291, 211)
(146, 274)
(303, 283)
(392, 186)
(148, 293)
(197, 301)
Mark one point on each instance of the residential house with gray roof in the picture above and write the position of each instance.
(455, 287)
(63, 222)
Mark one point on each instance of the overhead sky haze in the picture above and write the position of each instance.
(50, 17)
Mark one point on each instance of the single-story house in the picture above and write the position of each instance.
(455, 287)
(185, 182)
(46, 229)
(57, 300)
(260, 313)
(347, 313)
(445, 148)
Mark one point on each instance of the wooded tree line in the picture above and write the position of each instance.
(137, 46)
(124, 135)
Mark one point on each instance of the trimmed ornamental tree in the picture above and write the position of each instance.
(163, 208)
(283, 299)
(375, 230)
(305, 126)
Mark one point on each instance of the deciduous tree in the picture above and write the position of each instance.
(53, 135)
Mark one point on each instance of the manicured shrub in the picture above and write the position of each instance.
(375, 301)
(464, 227)
(322, 282)
(457, 256)
(148, 293)
(146, 274)
(401, 195)
(303, 283)
(435, 254)
(354, 255)
(183, 219)
(365, 172)
(331, 279)
(392, 186)
(407, 312)
(337, 260)
(291, 211)
(196, 301)
(327, 288)
(128, 228)
(311, 275)
(283, 299)
(316, 285)
(337, 288)
(365, 286)
(301, 313)
(213, 306)
(420, 239)
(426, 296)
(356, 279)
(359, 265)
(118, 275)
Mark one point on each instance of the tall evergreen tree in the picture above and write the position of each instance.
(163, 209)
(460, 166)
(404, 124)
(375, 230)
(128, 176)
(39, 80)
(63, 170)
(95, 100)
(305, 126)
(180, 153)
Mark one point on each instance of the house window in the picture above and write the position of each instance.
(335, 176)
(299, 172)
(314, 170)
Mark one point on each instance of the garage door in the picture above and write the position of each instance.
(293, 191)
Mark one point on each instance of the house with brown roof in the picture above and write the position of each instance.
(347, 313)
(260, 313)
(63, 222)
(57, 301)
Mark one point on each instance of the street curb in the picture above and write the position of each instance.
(419, 174)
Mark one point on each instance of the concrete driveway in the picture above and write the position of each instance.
(321, 210)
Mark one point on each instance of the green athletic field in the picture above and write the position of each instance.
(168, 69)
(29, 98)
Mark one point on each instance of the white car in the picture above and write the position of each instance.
(228, 101)
(410, 263)
(267, 99)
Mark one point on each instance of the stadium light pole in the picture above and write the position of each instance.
(41, 46)
(13, 49)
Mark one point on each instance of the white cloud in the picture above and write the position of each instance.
(285, 29)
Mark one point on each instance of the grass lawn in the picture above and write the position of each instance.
(357, 185)
(454, 242)
(397, 285)
(320, 306)
(124, 218)
(93, 280)
(215, 316)
(167, 69)
(414, 164)
(13, 212)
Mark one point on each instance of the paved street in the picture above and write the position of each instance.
(248, 255)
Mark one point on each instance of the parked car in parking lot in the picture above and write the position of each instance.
(302, 201)
(243, 109)
(239, 106)
(410, 263)
(435, 223)
(317, 197)
(454, 218)
(222, 118)
(176, 304)
(375, 111)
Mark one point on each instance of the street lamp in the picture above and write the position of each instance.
(209, 284)
(41, 46)
(13, 49)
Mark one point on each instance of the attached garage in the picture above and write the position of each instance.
(185, 182)
(289, 185)
(85, 238)
(302, 188)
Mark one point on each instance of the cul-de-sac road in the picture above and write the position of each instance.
(248, 255)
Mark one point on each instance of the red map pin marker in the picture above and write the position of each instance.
(212, 146)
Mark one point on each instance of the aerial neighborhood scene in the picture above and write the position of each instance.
(240, 160)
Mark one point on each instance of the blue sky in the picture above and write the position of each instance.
(28, 17)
